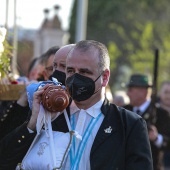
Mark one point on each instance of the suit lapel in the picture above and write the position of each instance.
(107, 128)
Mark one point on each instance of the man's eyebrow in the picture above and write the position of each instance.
(85, 70)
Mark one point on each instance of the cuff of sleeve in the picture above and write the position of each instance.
(159, 141)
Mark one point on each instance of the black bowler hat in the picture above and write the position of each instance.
(139, 80)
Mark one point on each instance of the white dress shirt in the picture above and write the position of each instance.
(142, 107)
(85, 123)
(79, 155)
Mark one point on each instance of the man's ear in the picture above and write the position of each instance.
(106, 76)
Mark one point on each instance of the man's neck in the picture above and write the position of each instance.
(89, 102)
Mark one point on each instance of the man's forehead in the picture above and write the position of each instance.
(60, 58)
(82, 52)
(63, 52)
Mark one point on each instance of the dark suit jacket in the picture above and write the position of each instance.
(126, 147)
(161, 120)
(12, 115)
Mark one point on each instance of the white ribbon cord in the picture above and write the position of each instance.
(67, 120)
(40, 119)
(51, 138)
(76, 134)
(80, 124)
(46, 123)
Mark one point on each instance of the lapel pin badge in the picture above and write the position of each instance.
(108, 130)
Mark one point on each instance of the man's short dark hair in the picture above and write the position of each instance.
(48, 53)
(104, 59)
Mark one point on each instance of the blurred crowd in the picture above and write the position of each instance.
(137, 98)
(15, 112)
(155, 109)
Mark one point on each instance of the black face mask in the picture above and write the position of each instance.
(80, 87)
(59, 75)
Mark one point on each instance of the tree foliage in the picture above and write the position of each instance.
(5, 54)
(131, 30)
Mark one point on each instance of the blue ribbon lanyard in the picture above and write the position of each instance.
(76, 157)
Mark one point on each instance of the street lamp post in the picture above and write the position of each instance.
(81, 21)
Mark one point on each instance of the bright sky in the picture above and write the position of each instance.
(30, 12)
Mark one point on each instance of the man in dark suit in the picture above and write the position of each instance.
(106, 137)
(158, 120)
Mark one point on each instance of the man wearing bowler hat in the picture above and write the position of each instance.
(139, 90)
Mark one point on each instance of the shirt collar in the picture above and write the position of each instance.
(93, 111)
(143, 107)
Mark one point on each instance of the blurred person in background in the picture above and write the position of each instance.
(59, 64)
(120, 98)
(35, 69)
(139, 90)
(47, 61)
(108, 134)
(14, 113)
(164, 95)
(164, 101)
(109, 94)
